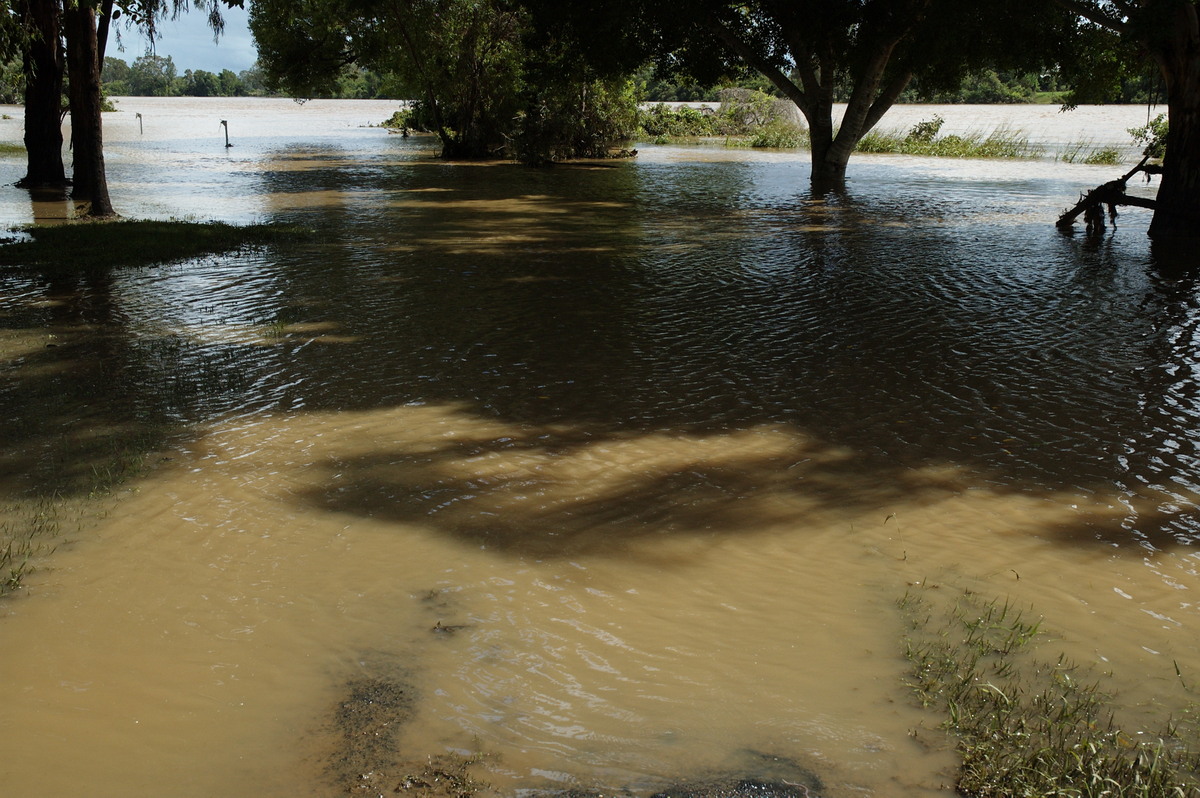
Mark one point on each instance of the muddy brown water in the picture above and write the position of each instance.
(614, 472)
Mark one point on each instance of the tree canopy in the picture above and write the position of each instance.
(468, 64)
(815, 52)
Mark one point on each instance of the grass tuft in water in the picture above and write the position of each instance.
(30, 528)
(106, 244)
(27, 534)
(1087, 153)
(1028, 727)
(925, 138)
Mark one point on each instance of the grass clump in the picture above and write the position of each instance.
(1086, 153)
(1027, 727)
(65, 496)
(26, 534)
(925, 138)
(82, 246)
(9, 148)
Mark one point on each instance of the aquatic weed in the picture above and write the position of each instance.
(1086, 152)
(1030, 727)
(925, 139)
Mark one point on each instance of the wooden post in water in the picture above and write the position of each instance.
(139, 119)
(225, 125)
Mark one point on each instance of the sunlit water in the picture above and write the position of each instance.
(618, 469)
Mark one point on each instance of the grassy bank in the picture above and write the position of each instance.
(766, 122)
(1029, 726)
(120, 243)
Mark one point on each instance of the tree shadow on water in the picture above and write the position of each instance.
(565, 493)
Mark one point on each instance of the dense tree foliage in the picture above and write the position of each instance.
(864, 53)
(478, 83)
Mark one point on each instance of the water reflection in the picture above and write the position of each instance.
(702, 297)
(662, 438)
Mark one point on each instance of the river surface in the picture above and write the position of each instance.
(613, 472)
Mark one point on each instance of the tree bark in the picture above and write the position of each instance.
(87, 140)
(43, 66)
(1178, 54)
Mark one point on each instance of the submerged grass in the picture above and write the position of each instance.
(31, 527)
(91, 245)
(1029, 727)
(27, 533)
(1086, 152)
(925, 138)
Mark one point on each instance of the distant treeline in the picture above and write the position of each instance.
(986, 87)
(158, 76)
(153, 75)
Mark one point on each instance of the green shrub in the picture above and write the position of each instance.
(1153, 135)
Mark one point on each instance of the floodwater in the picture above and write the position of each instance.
(613, 472)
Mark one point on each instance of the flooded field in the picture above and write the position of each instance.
(613, 473)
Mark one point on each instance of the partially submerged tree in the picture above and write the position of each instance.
(1166, 32)
(58, 37)
(37, 35)
(821, 52)
(86, 32)
(465, 62)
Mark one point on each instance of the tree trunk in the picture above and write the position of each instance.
(43, 68)
(1175, 45)
(87, 140)
(1178, 212)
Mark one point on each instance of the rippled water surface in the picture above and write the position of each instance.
(613, 471)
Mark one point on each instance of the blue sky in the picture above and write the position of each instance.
(189, 42)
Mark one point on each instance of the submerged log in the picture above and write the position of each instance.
(1110, 194)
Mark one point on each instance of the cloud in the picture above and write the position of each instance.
(189, 42)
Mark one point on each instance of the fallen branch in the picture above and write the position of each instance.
(1111, 194)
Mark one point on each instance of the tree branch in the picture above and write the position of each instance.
(1092, 14)
(886, 99)
(748, 54)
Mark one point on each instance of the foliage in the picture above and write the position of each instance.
(1030, 727)
(153, 76)
(573, 119)
(477, 80)
(815, 52)
(662, 123)
(12, 82)
(1084, 152)
(1153, 136)
(985, 86)
(752, 117)
(925, 138)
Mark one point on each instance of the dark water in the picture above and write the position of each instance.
(916, 319)
(679, 351)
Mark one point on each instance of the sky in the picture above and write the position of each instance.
(189, 42)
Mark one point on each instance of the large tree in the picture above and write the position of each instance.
(85, 32)
(38, 36)
(58, 37)
(467, 63)
(1167, 32)
(821, 52)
